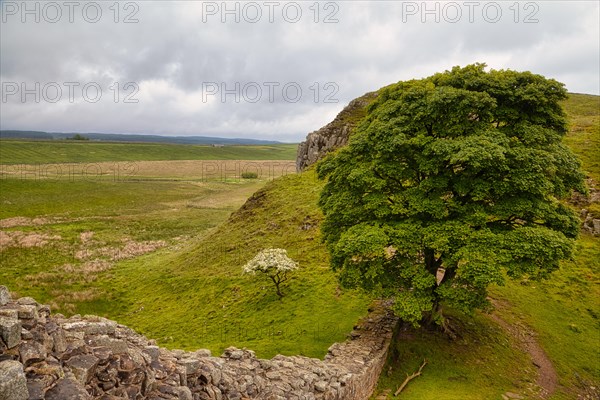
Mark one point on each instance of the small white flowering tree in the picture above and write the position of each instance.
(274, 263)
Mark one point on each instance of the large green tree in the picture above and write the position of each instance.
(450, 183)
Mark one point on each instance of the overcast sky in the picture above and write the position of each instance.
(271, 70)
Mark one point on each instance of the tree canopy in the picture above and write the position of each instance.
(448, 184)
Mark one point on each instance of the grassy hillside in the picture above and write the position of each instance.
(583, 111)
(46, 152)
(198, 296)
(564, 313)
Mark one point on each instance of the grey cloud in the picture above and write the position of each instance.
(171, 53)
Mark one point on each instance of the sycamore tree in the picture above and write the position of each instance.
(451, 183)
(273, 263)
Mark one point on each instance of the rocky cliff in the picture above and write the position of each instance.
(50, 357)
(333, 135)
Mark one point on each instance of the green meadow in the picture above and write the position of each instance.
(69, 151)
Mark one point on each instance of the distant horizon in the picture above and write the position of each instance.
(284, 139)
(184, 136)
(141, 135)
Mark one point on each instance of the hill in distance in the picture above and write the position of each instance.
(118, 137)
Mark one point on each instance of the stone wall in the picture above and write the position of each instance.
(44, 356)
(333, 135)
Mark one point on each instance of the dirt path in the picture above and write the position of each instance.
(547, 378)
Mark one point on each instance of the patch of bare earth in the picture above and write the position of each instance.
(85, 237)
(39, 221)
(25, 239)
(24, 221)
(93, 258)
(5, 240)
(130, 249)
(88, 267)
(524, 337)
(66, 300)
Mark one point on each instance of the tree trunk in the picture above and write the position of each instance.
(432, 319)
(278, 291)
(277, 281)
(435, 320)
(430, 261)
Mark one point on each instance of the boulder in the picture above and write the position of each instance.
(27, 301)
(9, 313)
(91, 327)
(67, 388)
(31, 352)
(10, 331)
(117, 346)
(28, 311)
(13, 384)
(36, 389)
(82, 367)
(4, 296)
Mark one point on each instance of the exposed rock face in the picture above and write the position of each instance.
(590, 222)
(333, 135)
(95, 358)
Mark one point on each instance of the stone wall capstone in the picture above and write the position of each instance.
(50, 357)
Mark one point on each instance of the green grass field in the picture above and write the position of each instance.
(48, 152)
(58, 237)
(481, 364)
(148, 248)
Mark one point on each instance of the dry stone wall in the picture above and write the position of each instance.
(50, 357)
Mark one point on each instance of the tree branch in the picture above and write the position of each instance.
(410, 378)
(388, 177)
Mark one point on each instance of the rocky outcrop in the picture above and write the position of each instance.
(333, 135)
(50, 357)
(590, 222)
